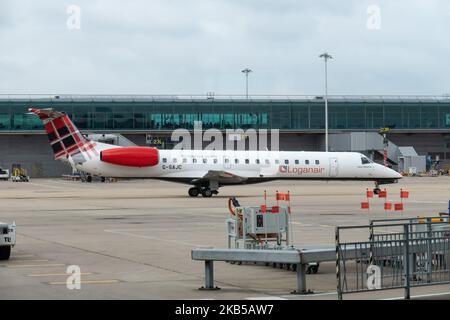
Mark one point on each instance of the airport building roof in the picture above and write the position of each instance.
(297, 113)
(223, 97)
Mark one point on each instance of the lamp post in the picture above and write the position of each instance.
(325, 57)
(246, 71)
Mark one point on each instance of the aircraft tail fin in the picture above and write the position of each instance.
(65, 139)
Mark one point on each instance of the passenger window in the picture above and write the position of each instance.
(236, 161)
(257, 161)
(277, 161)
(164, 160)
(364, 160)
(247, 161)
(296, 162)
(215, 160)
(286, 161)
(227, 160)
(205, 160)
(267, 161)
(317, 162)
(174, 160)
(194, 160)
(184, 160)
(306, 161)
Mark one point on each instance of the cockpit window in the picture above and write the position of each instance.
(365, 160)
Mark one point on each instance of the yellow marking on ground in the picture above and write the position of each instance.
(55, 274)
(12, 266)
(87, 282)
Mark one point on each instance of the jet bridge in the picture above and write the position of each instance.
(371, 144)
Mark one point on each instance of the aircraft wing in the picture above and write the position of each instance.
(220, 176)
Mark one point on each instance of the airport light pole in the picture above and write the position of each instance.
(246, 71)
(326, 57)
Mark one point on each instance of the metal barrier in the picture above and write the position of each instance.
(400, 253)
(298, 257)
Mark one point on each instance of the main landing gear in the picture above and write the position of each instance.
(205, 192)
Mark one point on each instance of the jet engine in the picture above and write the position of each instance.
(131, 156)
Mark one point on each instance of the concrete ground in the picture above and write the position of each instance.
(132, 239)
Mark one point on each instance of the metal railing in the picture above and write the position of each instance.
(402, 253)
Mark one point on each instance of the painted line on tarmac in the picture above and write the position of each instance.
(28, 260)
(284, 297)
(44, 185)
(87, 282)
(154, 238)
(56, 274)
(430, 202)
(329, 293)
(265, 298)
(313, 225)
(14, 266)
(421, 296)
(23, 256)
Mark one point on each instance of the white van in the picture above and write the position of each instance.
(4, 174)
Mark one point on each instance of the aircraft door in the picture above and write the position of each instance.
(334, 167)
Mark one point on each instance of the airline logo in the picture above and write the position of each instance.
(300, 170)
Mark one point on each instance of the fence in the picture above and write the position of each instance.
(400, 253)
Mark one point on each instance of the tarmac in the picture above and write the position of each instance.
(132, 239)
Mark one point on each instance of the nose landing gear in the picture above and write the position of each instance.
(377, 189)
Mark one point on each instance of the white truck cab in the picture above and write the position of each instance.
(7, 239)
(4, 174)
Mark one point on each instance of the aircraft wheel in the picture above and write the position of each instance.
(193, 192)
(89, 179)
(5, 252)
(207, 193)
(376, 190)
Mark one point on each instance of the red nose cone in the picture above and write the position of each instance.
(131, 156)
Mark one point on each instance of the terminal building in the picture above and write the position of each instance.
(419, 125)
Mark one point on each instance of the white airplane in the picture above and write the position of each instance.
(206, 170)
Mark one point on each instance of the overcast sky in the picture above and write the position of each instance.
(197, 46)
